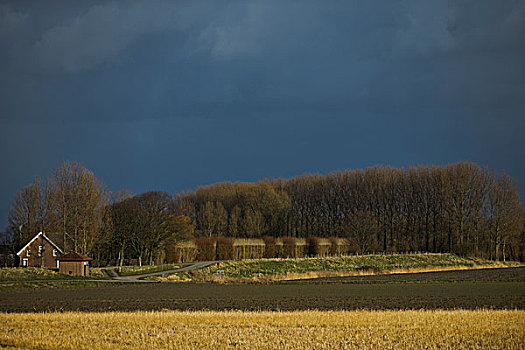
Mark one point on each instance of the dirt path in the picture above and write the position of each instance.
(139, 278)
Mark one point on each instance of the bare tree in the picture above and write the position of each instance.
(24, 219)
(80, 199)
(362, 227)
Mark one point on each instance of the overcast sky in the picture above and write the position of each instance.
(170, 95)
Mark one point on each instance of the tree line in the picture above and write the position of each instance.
(460, 208)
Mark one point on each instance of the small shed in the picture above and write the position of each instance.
(74, 264)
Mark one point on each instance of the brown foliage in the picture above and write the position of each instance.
(206, 248)
(313, 248)
(224, 248)
(334, 246)
(461, 208)
(289, 247)
(270, 249)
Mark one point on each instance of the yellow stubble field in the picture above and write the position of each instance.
(430, 329)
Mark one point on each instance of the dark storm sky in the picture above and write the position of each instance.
(170, 95)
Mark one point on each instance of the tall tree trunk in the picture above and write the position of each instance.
(121, 258)
(427, 234)
(497, 250)
(449, 238)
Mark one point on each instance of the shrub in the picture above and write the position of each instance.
(289, 247)
(334, 247)
(270, 249)
(171, 253)
(313, 248)
(206, 248)
(370, 269)
(353, 246)
(224, 248)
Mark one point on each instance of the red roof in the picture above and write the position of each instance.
(74, 257)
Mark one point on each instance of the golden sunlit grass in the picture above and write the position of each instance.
(40, 274)
(458, 329)
(30, 273)
(324, 274)
(343, 266)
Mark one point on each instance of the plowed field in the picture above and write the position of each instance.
(503, 289)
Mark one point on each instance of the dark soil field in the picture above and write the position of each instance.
(501, 289)
(465, 295)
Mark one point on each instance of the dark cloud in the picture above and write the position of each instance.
(196, 92)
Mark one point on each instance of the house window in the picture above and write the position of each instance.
(40, 250)
(28, 252)
(54, 252)
(25, 262)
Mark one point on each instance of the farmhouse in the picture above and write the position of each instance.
(74, 264)
(41, 251)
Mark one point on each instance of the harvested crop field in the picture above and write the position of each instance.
(293, 296)
(458, 329)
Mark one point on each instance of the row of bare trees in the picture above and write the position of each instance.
(72, 202)
(142, 227)
(75, 206)
(461, 208)
(236, 209)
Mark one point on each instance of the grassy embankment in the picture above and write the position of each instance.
(289, 269)
(457, 329)
(36, 277)
(38, 274)
(139, 270)
(24, 274)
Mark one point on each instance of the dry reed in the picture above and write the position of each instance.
(458, 329)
